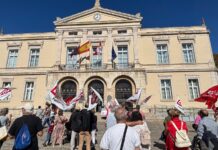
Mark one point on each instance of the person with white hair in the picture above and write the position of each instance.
(33, 123)
(120, 136)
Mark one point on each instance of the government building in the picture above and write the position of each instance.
(166, 63)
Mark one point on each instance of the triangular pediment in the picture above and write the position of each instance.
(98, 15)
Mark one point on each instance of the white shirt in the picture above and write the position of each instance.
(112, 138)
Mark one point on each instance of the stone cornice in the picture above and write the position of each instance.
(24, 73)
(180, 70)
(172, 31)
(98, 23)
(129, 17)
(22, 38)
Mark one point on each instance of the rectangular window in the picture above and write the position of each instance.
(188, 52)
(6, 85)
(96, 57)
(34, 57)
(28, 93)
(123, 56)
(166, 89)
(72, 60)
(97, 32)
(122, 31)
(193, 88)
(72, 33)
(162, 54)
(12, 58)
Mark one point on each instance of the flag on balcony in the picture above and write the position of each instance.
(84, 48)
(82, 59)
(113, 55)
(98, 50)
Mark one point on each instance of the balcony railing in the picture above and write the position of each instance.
(116, 66)
(96, 66)
(70, 67)
(123, 65)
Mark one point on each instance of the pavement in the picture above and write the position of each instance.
(156, 127)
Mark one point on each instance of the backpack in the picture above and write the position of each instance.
(23, 139)
(85, 120)
(182, 140)
(145, 137)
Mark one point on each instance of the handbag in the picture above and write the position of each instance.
(3, 132)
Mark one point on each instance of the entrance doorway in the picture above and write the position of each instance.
(123, 90)
(68, 89)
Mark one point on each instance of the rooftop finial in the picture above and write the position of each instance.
(97, 3)
(1, 31)
(203, 22)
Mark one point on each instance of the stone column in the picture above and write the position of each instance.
(59, 40)
(135, 47)
(110, 41)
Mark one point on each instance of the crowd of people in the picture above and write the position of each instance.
(125, 125)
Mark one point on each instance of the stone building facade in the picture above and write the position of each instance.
(166, 63)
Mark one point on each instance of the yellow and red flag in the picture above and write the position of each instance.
(84, 48)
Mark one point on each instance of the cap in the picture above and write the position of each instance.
(179, 107)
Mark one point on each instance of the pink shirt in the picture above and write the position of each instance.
(197, 119)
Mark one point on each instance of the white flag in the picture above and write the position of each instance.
(5, 93)
(59, 102)
(98, 95)
(135, 97)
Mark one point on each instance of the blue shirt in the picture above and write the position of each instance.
(207, 129)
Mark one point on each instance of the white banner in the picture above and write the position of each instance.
(98, 95)
(5, 93)
(59, 102)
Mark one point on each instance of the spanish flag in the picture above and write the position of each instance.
(84, 48)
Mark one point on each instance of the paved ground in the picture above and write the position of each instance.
(155, 126)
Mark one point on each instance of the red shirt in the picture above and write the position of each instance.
(171, 133)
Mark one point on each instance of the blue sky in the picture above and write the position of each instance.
(27, 16)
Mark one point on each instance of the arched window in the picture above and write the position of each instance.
(123, 90)
(68, 89)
